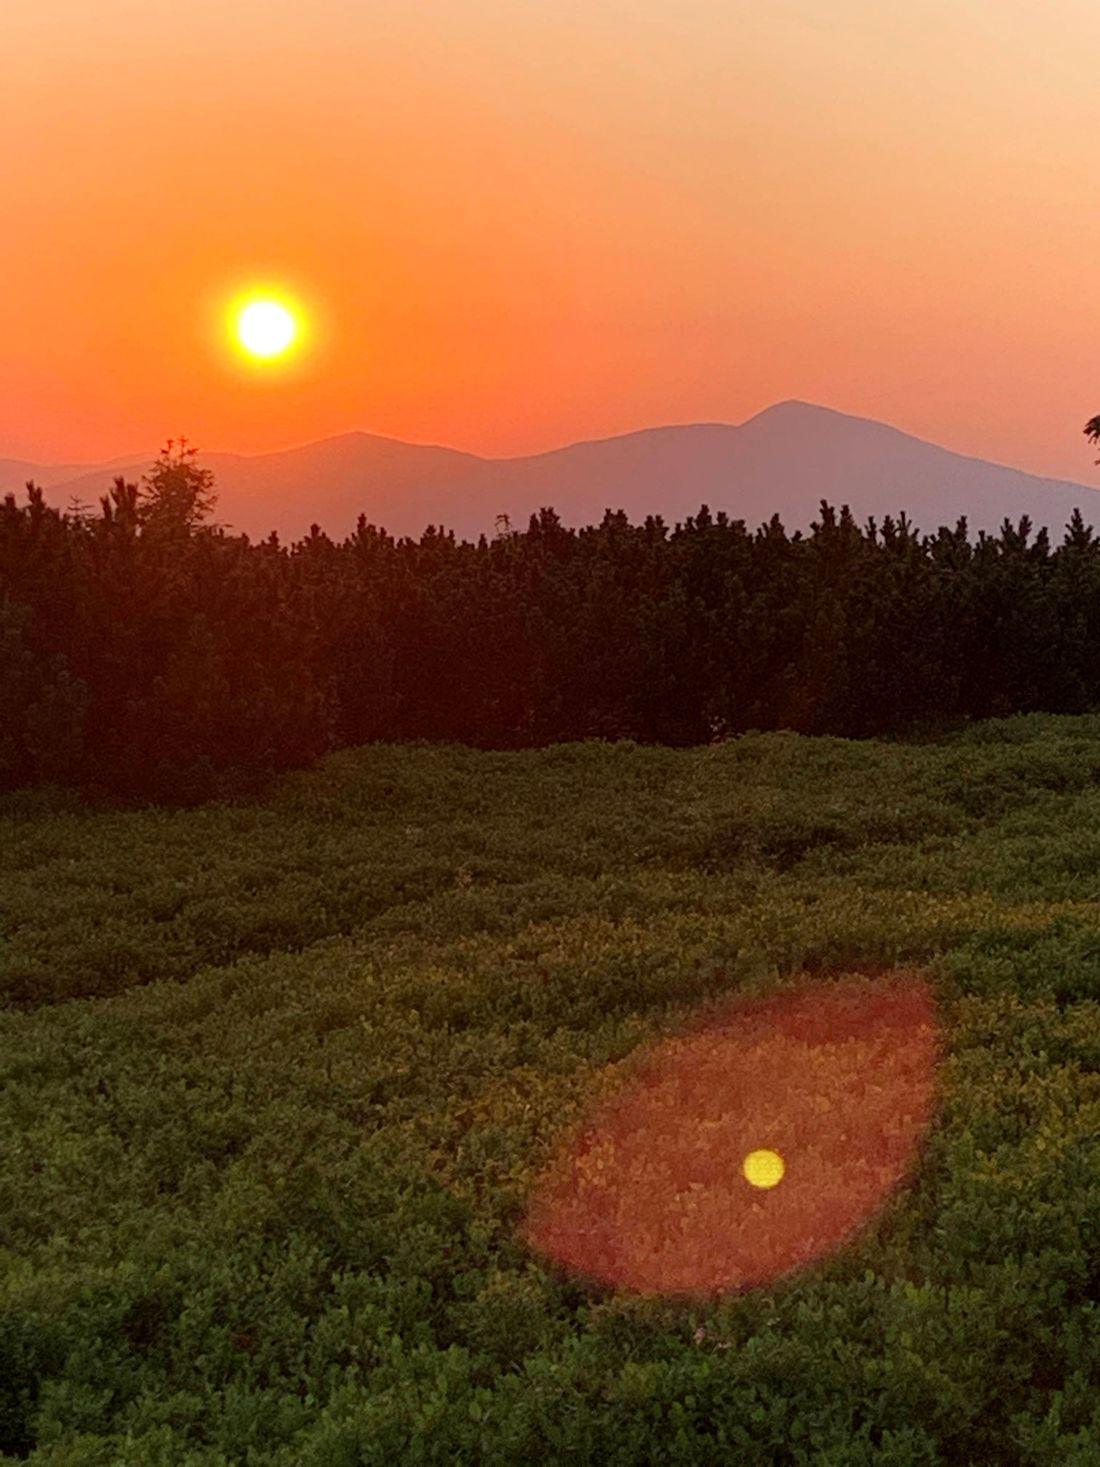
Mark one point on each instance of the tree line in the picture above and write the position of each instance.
(147, 655)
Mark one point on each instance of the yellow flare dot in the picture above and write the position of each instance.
(764, 1168)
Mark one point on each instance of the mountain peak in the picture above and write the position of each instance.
(783, 461)
(793, 410)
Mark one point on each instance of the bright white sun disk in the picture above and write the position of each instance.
(265, 328)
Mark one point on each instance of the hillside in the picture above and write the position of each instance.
(278, 1079)
(784, 460)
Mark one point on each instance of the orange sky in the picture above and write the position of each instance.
(520, 222)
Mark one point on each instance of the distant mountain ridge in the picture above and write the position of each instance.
(783, 461)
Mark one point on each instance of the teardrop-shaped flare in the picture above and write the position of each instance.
(749, 1145)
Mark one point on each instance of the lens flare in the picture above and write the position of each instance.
(672, 1186)
(764, 1168)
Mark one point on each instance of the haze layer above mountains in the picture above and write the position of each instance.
(783, 461)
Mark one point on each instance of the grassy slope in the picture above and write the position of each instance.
(274, 1081)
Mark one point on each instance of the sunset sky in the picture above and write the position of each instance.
(511, 224)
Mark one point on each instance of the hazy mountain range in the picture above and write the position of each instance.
(785, 460)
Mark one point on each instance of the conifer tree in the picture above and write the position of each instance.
(178, 495)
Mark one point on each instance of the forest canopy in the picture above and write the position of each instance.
(147, 655)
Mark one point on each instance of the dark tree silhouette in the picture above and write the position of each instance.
(144, 654)
(1092, 431)
(178, 495)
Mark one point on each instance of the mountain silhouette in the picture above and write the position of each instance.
(783, 461)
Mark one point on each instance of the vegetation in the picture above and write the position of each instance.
(146, 656)
(276, 1077)
(178, 495)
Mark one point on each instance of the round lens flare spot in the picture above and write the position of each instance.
(266, 329)
(764, 1168)
(671, 1184)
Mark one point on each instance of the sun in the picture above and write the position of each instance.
(266, 328)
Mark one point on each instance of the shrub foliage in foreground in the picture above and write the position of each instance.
(261, 1210)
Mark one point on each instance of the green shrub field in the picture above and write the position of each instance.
(276, 1079)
